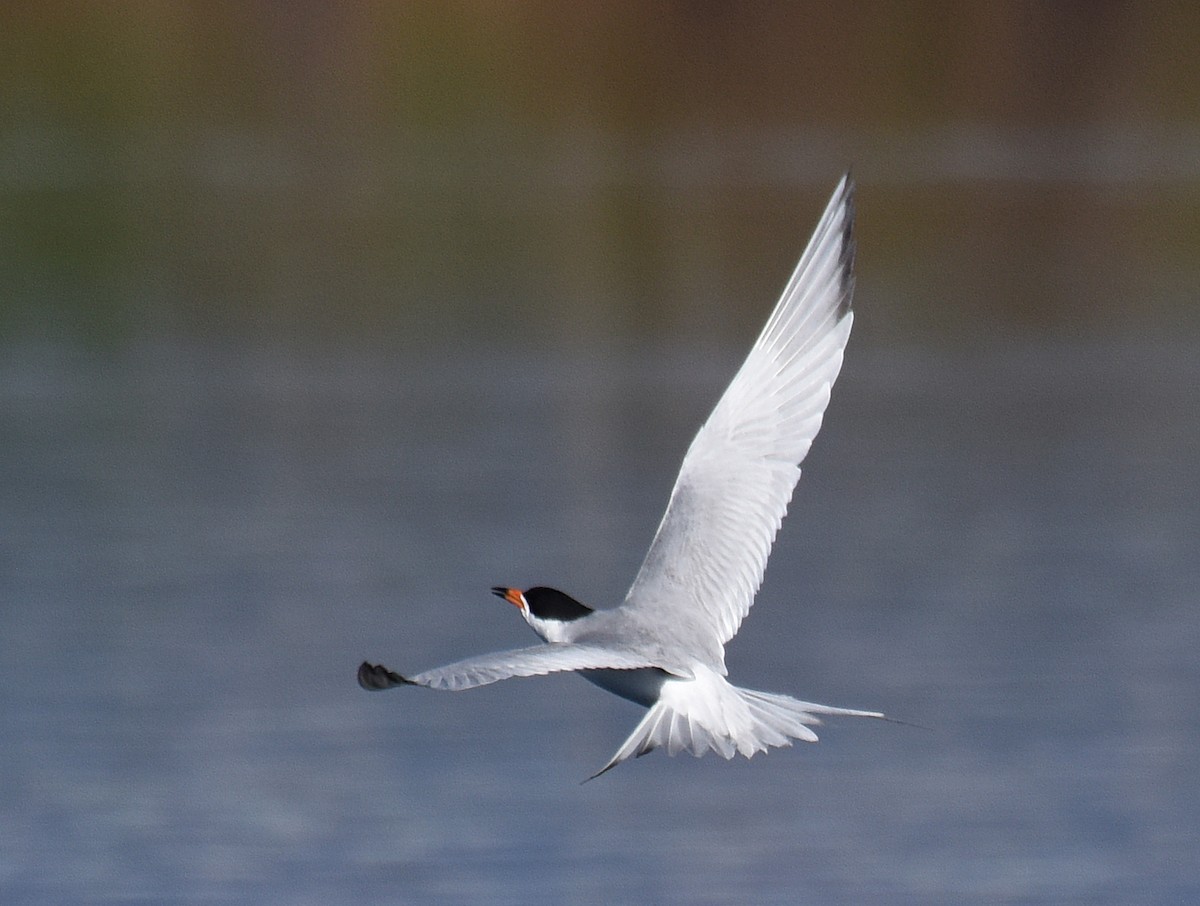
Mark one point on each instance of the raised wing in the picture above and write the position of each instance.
(491, 668)
(707, 559)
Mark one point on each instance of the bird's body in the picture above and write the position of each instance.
(663, 647)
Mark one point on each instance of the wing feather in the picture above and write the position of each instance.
(533, 661)
(709, 554)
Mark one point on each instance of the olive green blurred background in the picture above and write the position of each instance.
(302, 173)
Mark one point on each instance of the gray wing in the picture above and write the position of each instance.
(491, 668)
(707, 559)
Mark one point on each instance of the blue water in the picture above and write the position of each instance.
(198, 544)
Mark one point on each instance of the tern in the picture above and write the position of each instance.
(664, 646)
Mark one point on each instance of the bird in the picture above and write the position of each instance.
(663, 647)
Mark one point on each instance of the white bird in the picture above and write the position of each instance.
(664, 646)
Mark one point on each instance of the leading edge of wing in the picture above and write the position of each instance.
(536, 660)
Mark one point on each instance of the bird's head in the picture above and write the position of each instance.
(548, 611)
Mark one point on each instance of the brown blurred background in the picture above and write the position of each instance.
(292, 171)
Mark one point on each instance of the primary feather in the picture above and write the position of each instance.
(485, 669)
(707, 559)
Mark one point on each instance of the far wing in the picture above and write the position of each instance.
(491, 668)
(707, 559)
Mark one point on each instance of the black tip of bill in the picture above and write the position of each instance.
(376, 677)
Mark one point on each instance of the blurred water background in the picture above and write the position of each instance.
(316, 321)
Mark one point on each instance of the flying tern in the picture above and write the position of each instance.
(664, 646)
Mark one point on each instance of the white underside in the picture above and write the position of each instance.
(707, 713)
(639, 686)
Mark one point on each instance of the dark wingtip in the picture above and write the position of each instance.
(375, 677)
(848, 246)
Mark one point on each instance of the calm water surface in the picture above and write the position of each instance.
(199, 544)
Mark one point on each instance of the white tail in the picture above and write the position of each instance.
(707, 713)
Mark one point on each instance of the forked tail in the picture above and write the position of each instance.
(708, 714)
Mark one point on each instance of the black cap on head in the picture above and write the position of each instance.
(552, 604)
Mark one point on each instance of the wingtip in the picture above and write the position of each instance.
(376, 677)
(849, 244)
